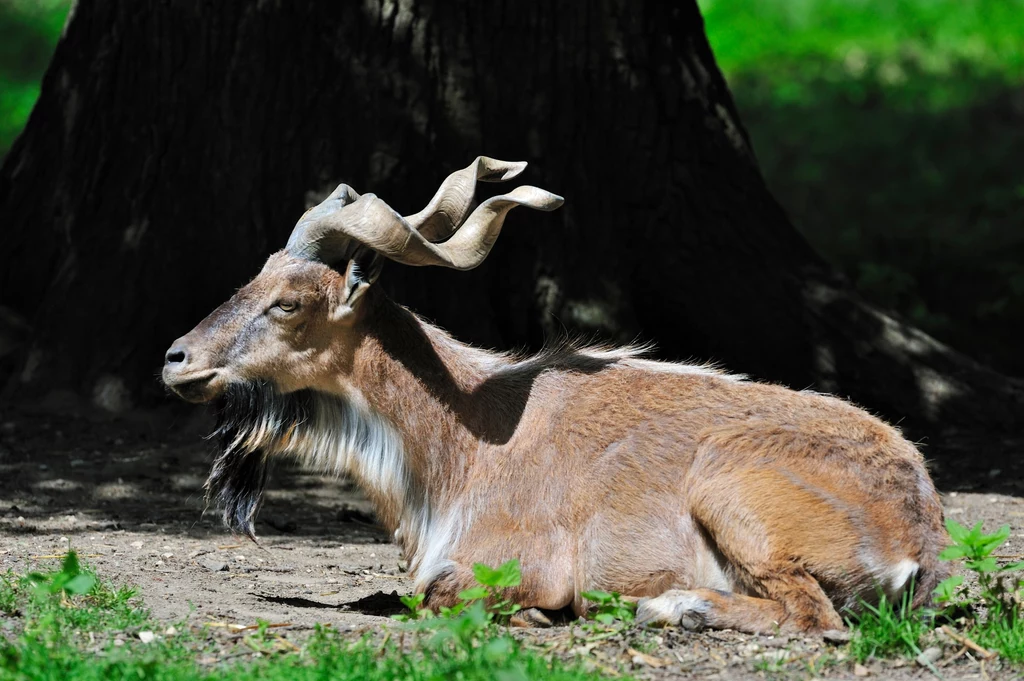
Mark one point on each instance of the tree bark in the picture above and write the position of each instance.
(175, 144)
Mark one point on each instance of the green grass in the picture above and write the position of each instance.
(889, 630)
(43, 601)
(70, 626)
(938, 34)
(1003, 635)
(325, 655)
(890, 131)
(989, 614)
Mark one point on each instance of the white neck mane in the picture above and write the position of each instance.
(332, 435)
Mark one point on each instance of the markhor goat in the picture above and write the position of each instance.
(713, 500)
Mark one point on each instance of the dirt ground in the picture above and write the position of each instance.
(126, 493)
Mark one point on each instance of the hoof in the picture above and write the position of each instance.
(530, 617)
(837, 636)
(673, 608)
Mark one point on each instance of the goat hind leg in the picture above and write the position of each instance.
(727, 505)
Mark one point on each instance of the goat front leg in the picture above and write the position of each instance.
(708, 608)
(444, 592)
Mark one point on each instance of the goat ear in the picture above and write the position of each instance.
(351, 285)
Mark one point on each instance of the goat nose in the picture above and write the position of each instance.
(176, 355)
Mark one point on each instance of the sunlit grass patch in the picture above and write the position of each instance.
(889, 629)
(986, 619)
(68, 601)
(934, 35)
(74, 627)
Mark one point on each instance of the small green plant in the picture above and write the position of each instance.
(610, 607)
(489, 593)
(1000, 586)
(414, 602)
(67, 601)
(465, 632)
(465, 626)
(493, 582)
(70, 579)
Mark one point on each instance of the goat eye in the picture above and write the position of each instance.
(286, 305)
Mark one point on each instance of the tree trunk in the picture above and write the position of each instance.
(175, 144)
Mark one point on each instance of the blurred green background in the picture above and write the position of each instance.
(891, 130)
(893, 133)
(29, 30)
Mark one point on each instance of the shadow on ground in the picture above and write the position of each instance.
(73, 470)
